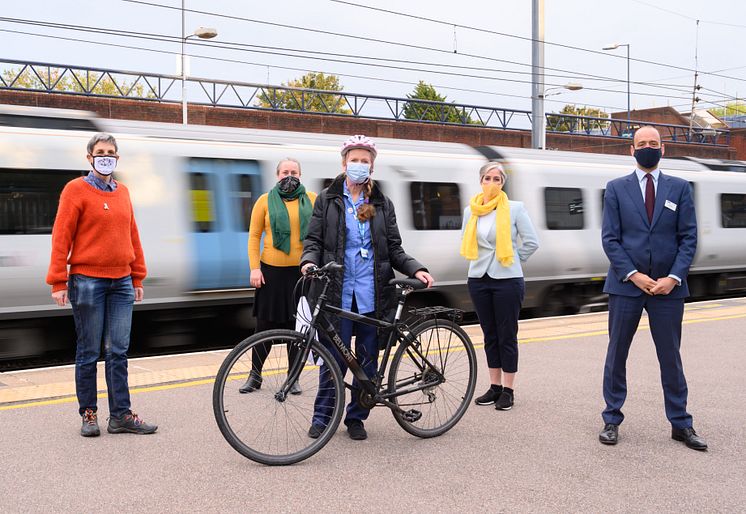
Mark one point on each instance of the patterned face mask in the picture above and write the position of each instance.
(288, 184)
(105, 165)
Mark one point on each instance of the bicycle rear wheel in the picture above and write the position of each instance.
(262, 425)
(452, 370)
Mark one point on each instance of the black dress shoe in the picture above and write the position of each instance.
(610, 434)
(253, 383)
(356, 431)
(689, 437)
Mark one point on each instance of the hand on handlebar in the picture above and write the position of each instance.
(309, 266)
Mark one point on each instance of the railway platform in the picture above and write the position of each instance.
(541, 456)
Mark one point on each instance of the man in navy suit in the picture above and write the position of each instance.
(649, 235)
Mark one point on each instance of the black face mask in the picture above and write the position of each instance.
(648, 157)
(288, 184)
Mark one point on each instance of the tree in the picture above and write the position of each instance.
(559, 123)
(58, 79)
(737, 108)
(287, 99)
(427, 112)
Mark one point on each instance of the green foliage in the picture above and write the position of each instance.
(736, 108)
(57, 79)
(559, 123)
(298, 100)
(420, 111)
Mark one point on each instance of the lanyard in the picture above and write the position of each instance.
(360, 224)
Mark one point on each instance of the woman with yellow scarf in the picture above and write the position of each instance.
(490, 232)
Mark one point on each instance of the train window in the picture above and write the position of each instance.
(244, 201)
(203, 211)
(733, 210)
(29, 199)
(46, 122)
(564, 208)
(436, 206)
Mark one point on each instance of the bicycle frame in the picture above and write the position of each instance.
(321, 323)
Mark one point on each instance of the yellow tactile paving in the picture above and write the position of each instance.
(34, 385)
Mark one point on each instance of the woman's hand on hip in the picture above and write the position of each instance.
(60, 297)
(425, 277)
(257, 278)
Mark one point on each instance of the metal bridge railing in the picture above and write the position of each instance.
(108, 83)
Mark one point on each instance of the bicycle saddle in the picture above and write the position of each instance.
(414, 283)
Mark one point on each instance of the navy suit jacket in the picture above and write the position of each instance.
(665, 246)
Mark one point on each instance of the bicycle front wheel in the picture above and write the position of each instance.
(264, 425)
(441, 355)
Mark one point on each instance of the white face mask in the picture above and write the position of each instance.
(104, 164)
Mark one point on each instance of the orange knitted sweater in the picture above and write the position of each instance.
(96, 234)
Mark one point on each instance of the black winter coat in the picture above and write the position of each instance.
(325, 242)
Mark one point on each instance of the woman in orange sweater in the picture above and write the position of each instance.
(96, 235)
(282, 215)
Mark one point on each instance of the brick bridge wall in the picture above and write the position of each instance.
(118, 108)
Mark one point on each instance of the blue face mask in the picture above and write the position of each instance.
(358, 172)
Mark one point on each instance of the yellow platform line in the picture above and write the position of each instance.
(193, 383)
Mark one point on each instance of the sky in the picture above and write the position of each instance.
(485, 67)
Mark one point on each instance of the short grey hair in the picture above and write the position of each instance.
(102, 138)
(287, 159)
(491, 166)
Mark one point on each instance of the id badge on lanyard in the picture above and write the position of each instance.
(361, 229)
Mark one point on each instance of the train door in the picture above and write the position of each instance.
(222, 192)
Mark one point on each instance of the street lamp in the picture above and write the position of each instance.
(556, 90)
(202, 33)
(614, 47)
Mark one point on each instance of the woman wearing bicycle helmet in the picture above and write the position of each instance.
(282, 217)
(354, 223)
(491, 228)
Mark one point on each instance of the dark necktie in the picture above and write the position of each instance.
(649, 197)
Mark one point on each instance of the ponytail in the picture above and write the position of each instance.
(366, 211)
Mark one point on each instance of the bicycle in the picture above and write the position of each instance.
(430, 384)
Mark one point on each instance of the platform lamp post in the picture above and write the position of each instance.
(614, 47)
(556, 90)
(202, 33)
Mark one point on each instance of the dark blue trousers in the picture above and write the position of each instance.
(665, 316)
(498, 304)
(366, 350)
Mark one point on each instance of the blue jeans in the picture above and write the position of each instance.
(102, 308)
(366, 350)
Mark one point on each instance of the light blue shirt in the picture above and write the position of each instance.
(520, 226)
(359, 275)
(656, 173)
(99, 184)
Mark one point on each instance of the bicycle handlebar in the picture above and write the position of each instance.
(330, 267)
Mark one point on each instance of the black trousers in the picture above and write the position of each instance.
(498, 304)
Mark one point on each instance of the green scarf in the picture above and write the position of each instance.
(279, 220)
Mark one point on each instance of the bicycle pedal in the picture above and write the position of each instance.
(412, 415)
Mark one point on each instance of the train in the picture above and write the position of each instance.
(193, 188)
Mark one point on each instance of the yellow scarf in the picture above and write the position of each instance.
(503, 241)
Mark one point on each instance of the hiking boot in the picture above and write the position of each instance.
(90, 424)
(130, 423)
(253, 383)
(490, 397)
(505, 401)
(356, 431)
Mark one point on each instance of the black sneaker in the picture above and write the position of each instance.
(315, 431)
(505, 401)
(490, 397)
(130, 423)
(356, 431)
(90, 424)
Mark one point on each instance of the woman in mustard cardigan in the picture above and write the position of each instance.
(282, 215)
